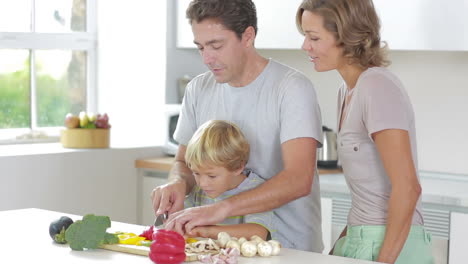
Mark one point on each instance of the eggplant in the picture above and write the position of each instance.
(57, 229)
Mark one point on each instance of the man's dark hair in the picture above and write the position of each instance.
(235, 15)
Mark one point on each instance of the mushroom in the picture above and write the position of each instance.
(256, 239)
(264, 249)
(241, 240)
(276, 245)
(223, 238)
(248, 249)
(233, 244)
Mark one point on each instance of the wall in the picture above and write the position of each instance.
(180, 62)
(132, 69)
(103, 182)
(437, 83)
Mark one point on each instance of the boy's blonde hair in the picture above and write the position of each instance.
(217, 143)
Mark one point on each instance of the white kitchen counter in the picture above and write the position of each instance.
(25, 239)
(438, 188)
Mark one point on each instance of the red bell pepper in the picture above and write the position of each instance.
(168, 247)
(148, 234)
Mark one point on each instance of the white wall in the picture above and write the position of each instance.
(132, 69)
(437, 83)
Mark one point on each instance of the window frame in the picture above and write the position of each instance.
(32, 41)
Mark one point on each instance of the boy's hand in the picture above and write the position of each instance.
(199, 231)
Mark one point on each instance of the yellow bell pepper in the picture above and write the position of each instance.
(190, 240)
(129, 238)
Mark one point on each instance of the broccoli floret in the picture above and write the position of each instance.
(90, 233)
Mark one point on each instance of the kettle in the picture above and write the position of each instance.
(327, 156)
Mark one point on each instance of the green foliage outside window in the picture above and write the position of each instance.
(53, 102)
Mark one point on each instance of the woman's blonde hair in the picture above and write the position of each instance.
(217, 143)
(356, 27)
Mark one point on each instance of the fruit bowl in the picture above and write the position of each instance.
(85, 138)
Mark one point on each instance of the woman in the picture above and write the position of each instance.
(376, 133)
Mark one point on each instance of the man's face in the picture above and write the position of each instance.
(220, 49)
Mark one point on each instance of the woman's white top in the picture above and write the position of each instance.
(379, 102)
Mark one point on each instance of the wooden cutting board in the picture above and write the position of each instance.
(141, 250)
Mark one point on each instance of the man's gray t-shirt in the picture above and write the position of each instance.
(197, 197)
(279, 105)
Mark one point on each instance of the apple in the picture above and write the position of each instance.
(84, 119)
(72, 121)
(91, 117)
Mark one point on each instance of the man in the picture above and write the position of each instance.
(275, 107)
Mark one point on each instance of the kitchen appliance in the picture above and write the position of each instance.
(327, 156)
(172, 117)
(181, 85)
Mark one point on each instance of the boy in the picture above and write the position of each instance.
(217, 154)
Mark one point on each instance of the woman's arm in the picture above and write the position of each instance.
(239, 230)
(395, 151)
(343, 233)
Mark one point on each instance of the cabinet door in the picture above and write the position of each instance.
(406, 25)
(326, 223)
(150, 179)
(276, 21)
(424, 24)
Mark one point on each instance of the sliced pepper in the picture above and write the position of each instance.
(168, 247)
(190, 240)
(148, 233)
(129, 238)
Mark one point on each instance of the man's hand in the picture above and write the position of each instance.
(169, 197)
(186, 220)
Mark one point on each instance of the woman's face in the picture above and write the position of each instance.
(320, 44)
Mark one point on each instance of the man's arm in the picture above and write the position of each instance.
(170, 197)
(293, 182)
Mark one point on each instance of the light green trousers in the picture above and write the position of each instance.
(364, 242)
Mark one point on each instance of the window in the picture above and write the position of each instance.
(48, 66)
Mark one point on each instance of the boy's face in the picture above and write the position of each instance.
(215, 180)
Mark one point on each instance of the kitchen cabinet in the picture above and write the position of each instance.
(148, 180)
(326, 204)
(424, 24)
(406, 25)
(458, 238)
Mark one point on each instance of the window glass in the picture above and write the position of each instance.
(60, 15)
(14, 89)
(15, 16)
(61, 85)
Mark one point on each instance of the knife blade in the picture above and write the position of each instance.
(160, 220)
